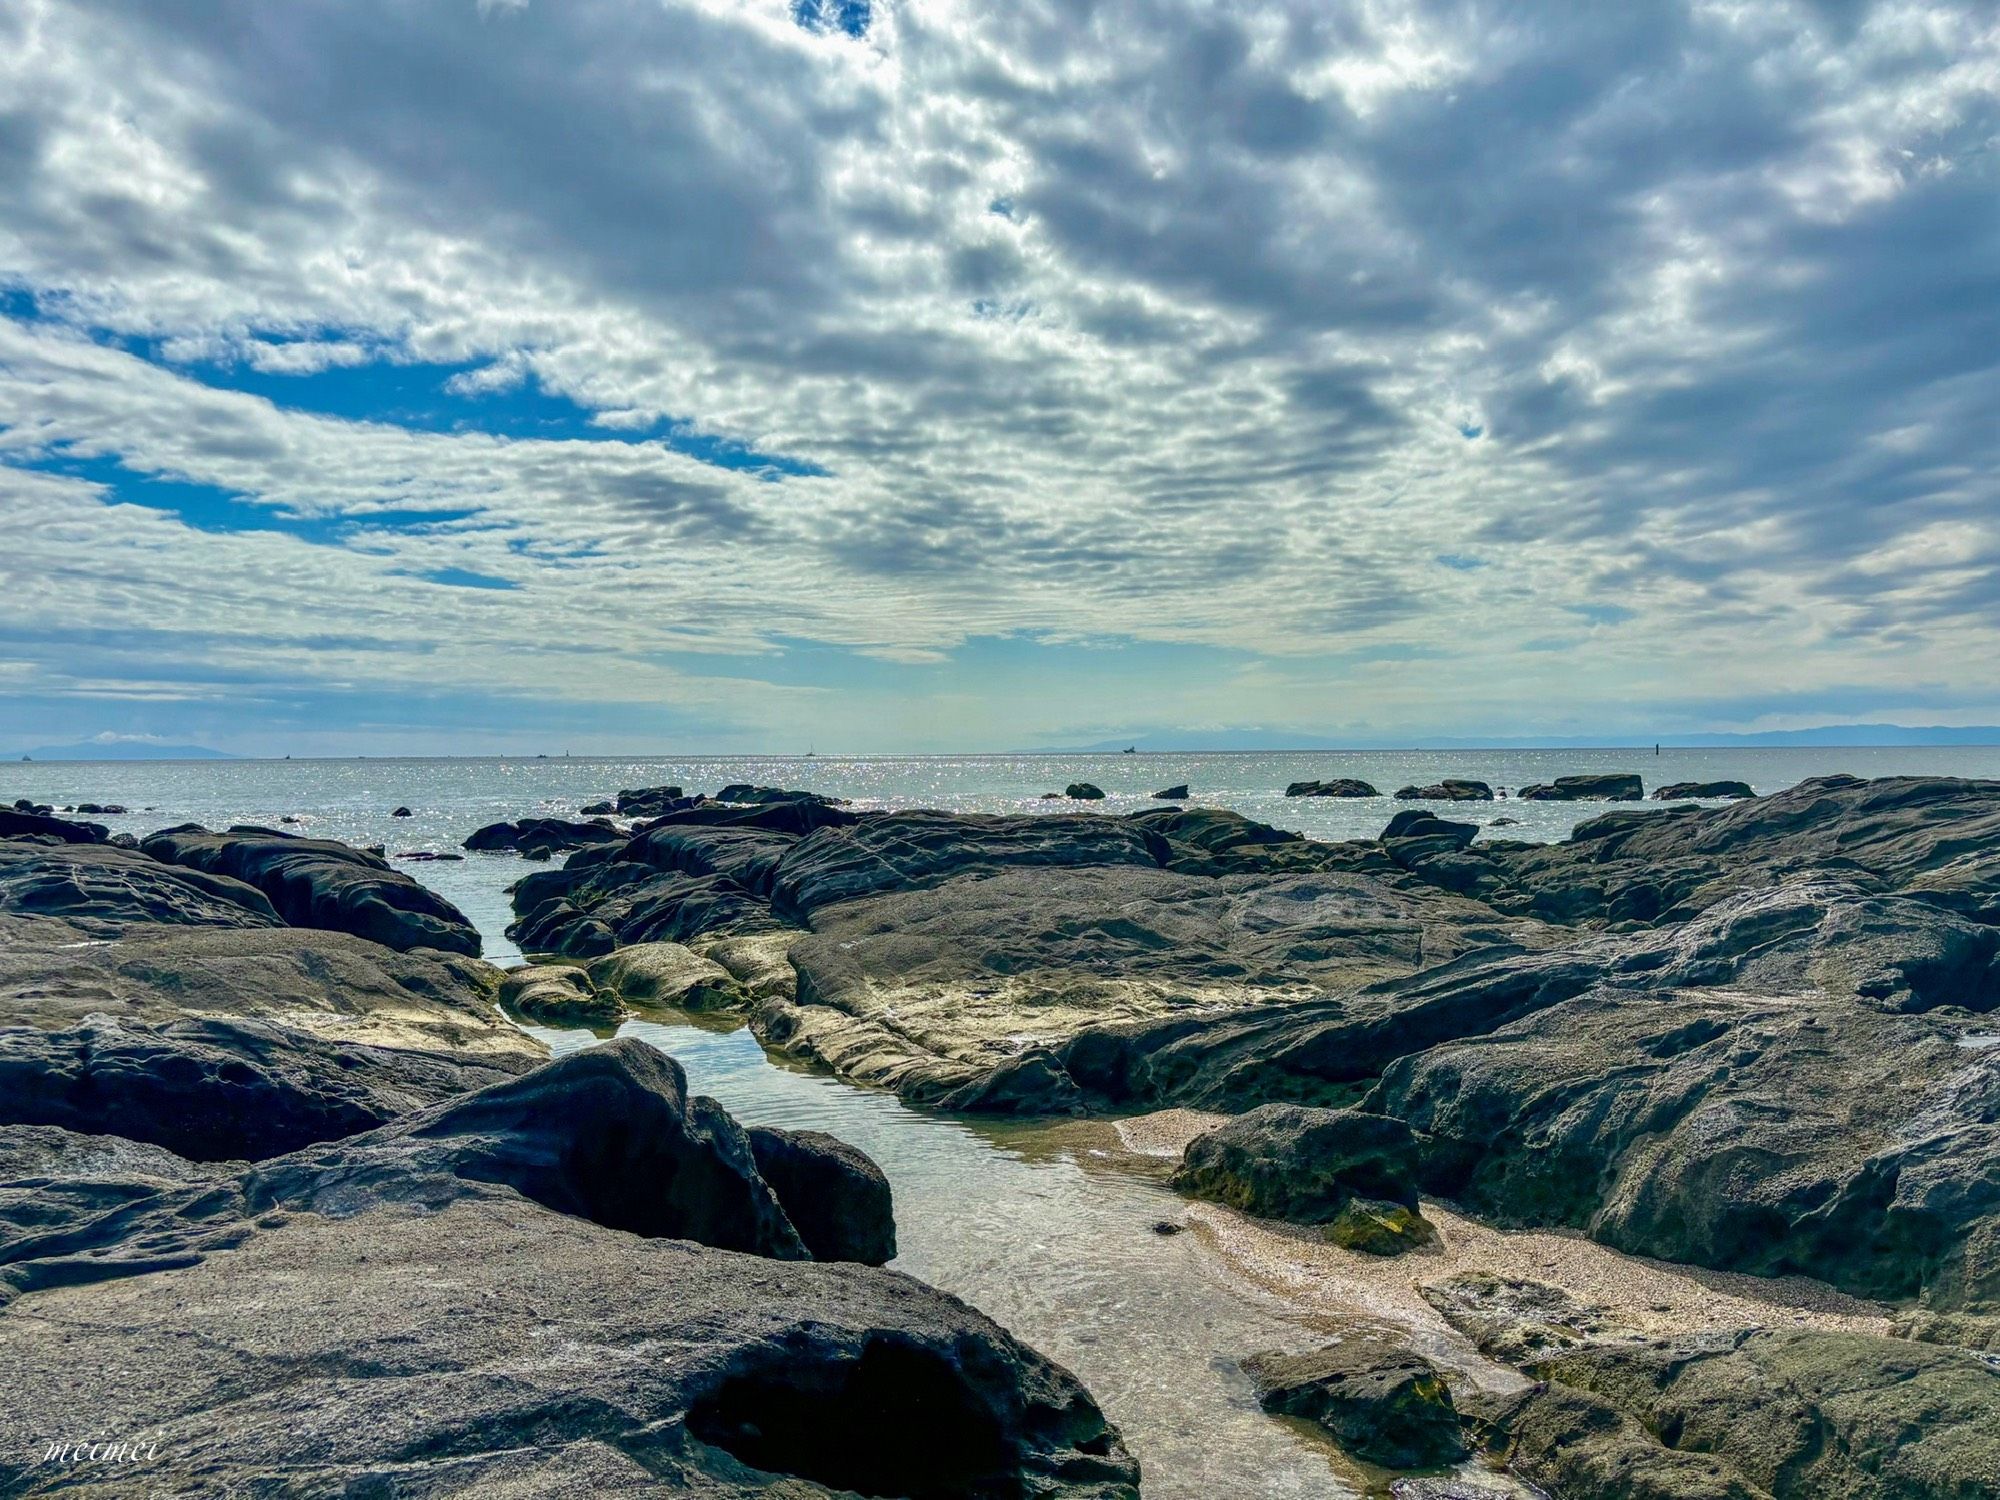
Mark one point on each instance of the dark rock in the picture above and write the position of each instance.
(56, 1182)
(1680, 790)
(1448, 790)
(1600, 787)
(747, 855)
(319, 883)
(1796, 1415)
(910, 851)
(215, 1089)
(104, 890)
(642, 906)
(427, 856)
(1172, 793)
(1384, 1405)
(1216, 841)
(100, 809)
(1345, 786)
(20, 823)
(794, 815)
(1286, 1161)
(402, 812)
(1414, 836)
(548, 834)
(650, 801)
(743, 791)
(1083, 791)
(834, 1194)
(492, 1347)
(598, 809)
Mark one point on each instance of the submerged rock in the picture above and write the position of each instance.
(319, 883)
(1384, 1405)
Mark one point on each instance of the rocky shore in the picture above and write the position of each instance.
(1753, 1040)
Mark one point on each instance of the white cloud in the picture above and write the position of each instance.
(1714, 285)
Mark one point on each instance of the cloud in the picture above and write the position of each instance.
(1342, 334)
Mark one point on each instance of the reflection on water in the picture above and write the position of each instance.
(1048, 1228)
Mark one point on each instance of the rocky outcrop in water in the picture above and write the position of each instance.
(1451, 789)
(551, 835)
(29, 822)
(1607, 786)
(1083, 791)
(1345, 786)
(1678, 791)
(1176, 793)
(319, 883)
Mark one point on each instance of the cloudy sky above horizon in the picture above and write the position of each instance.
(614, 375)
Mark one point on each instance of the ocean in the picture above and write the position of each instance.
(352, 800)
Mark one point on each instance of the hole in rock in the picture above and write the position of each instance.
(898, 1422)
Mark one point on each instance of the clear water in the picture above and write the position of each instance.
(1047, 1228)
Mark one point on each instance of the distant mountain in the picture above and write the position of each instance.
(118, 750)
(1837, 736)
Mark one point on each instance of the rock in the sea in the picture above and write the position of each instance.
(1384, 1405)
(647, 802)
(1414, 835)
(1216, 841)
(319, 883)
(1451, 789)
(559, 995)
(743, 791)
(1303, 1165)
(1083, 791)
(402, 812)
(1172, 793)
(1683, 790)
(834, 1194)
(104, 890)
(1345, 786)
(1597, 787)
(541, 833)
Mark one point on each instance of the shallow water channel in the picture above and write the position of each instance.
(1049, 1229)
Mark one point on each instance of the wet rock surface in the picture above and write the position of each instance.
(104, 890)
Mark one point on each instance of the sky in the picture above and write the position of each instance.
(607, 376)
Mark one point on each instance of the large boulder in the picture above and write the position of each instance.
(319, 883)
(1083, 791)
(558, 995)
(1605, 786)
(1341, 786)
(1385, 1405)
(1217, 841)
(669, 976)
(1176, 793)
(834, 1194)
(646, 802)
(1287, 1161)
(104, 890)
(916, 850)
